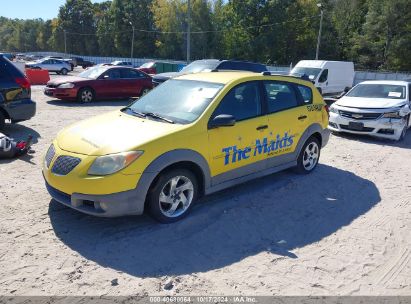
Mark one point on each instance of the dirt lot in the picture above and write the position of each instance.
(343, 230)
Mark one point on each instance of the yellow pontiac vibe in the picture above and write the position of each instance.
(192, 135)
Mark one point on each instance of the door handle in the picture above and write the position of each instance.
(262, 127)
(302, 117)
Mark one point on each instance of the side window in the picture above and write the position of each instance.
(323, 76)
(243, 102)
(47, 61)
(280, 96)
(130, 74)
(306, 93)
(113, 74)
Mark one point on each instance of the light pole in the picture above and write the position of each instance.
(132, 40)
(188, 30)
(65, 42)
(319, 32)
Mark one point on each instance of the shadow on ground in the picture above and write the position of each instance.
(278, 213)
(97, 103)
(404, 144)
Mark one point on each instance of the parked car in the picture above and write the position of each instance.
(9, 56)
(377, 108)
(165, 150)
(15, 94)
(207, 65)
(330, 77)
(122, 63)
(78, 61)
(101, 82)
(68, 60)
(52, 65)
(155, 67)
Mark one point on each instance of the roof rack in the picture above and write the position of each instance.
(303, 76)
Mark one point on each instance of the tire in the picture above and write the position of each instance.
(2, 121)
(64, 71)
(144, 91)
(404, 130)
(84, 67)
(309, 155)
(167, 206)
(85, 95)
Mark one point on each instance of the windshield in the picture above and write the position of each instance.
(187, 102)
(312, 73)
(378, 91)
(93, 73)
(147, 65)
(196, 67)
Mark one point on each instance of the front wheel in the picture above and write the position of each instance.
(85, 95)
(64, 71)
(173, 195)
(309, 156)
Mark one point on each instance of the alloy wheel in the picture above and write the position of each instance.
(176, 196)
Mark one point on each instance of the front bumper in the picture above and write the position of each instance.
(70, 94)
(107, 196)
(110, 205)
(382, 127)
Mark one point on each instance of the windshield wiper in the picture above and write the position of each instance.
(150, 114)
(143, 115)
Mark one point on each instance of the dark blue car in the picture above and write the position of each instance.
(15, 94)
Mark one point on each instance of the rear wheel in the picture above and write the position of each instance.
(144, 91)
(64, 71)
(173, 195)
(309, 156)
(85, 95)
(2, 121)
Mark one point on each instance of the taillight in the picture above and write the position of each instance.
(23, 82)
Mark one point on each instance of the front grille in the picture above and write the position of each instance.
(51, 152)
(360, 116)
(364, 129)
(64, 164)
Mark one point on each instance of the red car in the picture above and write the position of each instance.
(148, 67)
(102, 82)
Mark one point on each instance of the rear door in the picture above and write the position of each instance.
(133, 81)
(288, 118)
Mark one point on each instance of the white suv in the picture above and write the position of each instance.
(377, 108)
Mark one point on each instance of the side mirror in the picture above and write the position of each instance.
(223, 120)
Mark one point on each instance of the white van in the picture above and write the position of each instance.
(330, 77)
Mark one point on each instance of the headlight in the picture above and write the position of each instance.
(392, 115)
(333, 110)
(109, 164)
(66, 86)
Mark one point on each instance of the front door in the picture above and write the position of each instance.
(237, 150)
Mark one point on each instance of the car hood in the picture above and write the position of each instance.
(110, 133)
(66, 79)
(371, 103)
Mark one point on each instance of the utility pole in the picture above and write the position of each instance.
(188, 30)
(132, 41)
(65, 42)
(319, 32)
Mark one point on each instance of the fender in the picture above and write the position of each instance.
(168, 159)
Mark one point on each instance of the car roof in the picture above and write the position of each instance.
(393, 82)
(225, 77)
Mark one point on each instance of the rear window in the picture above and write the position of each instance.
(8, 70)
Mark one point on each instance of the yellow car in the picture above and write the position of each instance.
(191, 136)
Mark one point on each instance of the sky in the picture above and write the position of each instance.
(30, 9)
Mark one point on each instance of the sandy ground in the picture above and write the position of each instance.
(343, 230)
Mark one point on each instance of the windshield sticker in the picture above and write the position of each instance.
(267, 146)
(394, 94)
